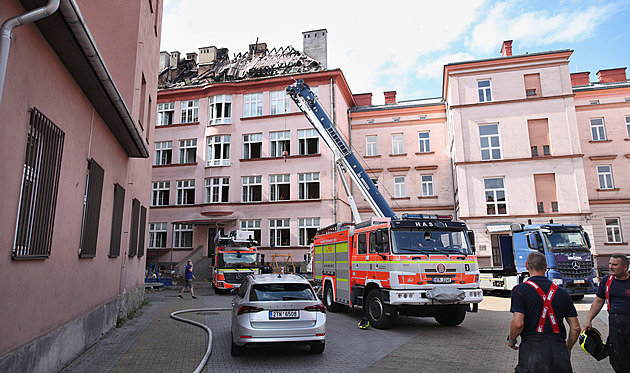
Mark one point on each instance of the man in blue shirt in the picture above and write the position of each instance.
(614, 290)
(539, 306)
(188, 276)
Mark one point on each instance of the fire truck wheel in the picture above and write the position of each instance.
(380, 315)
(452, 315)
(329, 301)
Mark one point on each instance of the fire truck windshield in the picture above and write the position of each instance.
(565, 241)
(237, 260)
(422, 241)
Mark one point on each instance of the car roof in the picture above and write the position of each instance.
(269, 278)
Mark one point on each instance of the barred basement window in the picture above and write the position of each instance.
(40, 183)
(554, 206)
(541, 207)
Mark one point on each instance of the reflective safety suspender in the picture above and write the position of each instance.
(547, 309)
(610, 278)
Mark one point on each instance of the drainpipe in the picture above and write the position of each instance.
(7, 30)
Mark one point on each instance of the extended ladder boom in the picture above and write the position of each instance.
(307, 102)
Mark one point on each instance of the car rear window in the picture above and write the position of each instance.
(281, 292)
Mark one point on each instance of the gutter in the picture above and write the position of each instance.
(7, 30)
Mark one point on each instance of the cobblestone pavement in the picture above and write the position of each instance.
(153, 342)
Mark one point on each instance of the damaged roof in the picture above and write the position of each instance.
(268, 63)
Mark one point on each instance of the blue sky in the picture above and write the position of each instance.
(403, 46)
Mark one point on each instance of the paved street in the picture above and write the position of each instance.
(154, 342)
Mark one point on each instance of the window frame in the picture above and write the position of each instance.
(496, 202)
(249, 140)
(277, 232)
(276, 102)
(248, 183)
(605, 177)
(424, 143)
(400, 186)
(190, 111)
(163, 153)
(490, 148)
(371, 147)
(306, 181)
(276, 182)
(252, 101)
(628, 126)
(158, 233)
(306, 228)
(253, 225)
(180, 234)
(225, 149)
(186, 148)
(484, 93)
(398, 144)
(428, 188)
(159, 190)
(598, 131)
(163, 119)
(185, 191)
(218, 189)
(613, 230)
(305, 138)
(225, 101)
(279, 142)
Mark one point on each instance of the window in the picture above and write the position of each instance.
(398, 146)
(143, 232)
(371, 148)
(157, 235)
(485, 90)
(220, 110)
(308, 142)
(308, 186)
(279, 143)
(598, 131)
(252, 189)
(594, 102)
(613, 230)
(628, 126)
(604, 175)
(427, 185)
(182, 235)
(279, 102)
(399, 187)
(163, 153)
(117, 219)
(133, 231)
(489, 141)
(188, 151)
(186, 192)
(190, 111)
(218, 151)
(375, 181)
(252, 226)
(165, 114)
(218, 190)
(252, 105)
(91, 209)
(362, 244)
(307, 229)
(279, 187)
(252, 146)
(161, 192)
(495, 196)
(424, 142)
(38, 195)
(279, 232)
(532, 85)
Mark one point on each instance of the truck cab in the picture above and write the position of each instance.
(234, 259)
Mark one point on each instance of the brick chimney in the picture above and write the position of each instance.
(257, 49)
(175, 59)
(612, 75)
(192, 56)
(506, 48)
(390, 97)
(363, 99)
(580, 78)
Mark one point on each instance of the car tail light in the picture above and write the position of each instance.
(247, 309)
(318, 307)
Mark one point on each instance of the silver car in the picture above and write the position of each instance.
(276, 308)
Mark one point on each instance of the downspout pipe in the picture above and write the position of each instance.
(6, 32)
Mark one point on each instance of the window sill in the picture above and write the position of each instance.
(178, 125)
(426, 168)
(598, 141)
(281, 157)
(398, 155)
(270, 116)
(372, 156)
(427, 197)
(615, 243)
(400, 198)
(608, 190)
(174, 165)
(221, 165)
(626, 139)
(424, 153)
(219, 124)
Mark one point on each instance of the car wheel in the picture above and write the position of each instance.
(236, 350)
(452, 315)
(318, 348)
(329, 301)
(379, 314)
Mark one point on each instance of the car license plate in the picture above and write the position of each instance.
(442, 280)
(578, 281)
(284, 314)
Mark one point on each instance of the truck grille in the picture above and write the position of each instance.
(576, 269)
(235, 277)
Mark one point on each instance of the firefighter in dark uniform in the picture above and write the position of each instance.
(539, 308)
(614, 290)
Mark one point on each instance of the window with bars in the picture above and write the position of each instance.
(218, 151)
(218, 190)
(188, 151)
(165, 114)
(307, 228)
(220, 110)
(398, 145)
(186, 192)
(308, 186)
(496, 203)
(117, 219)
(182, 236)
(161, 193)
(424, 141)
(251, 188)
(427, 185)
(279, 187)
(308, 142)
(91, 209)
(38, 194)
(190, 111)
(252, 146)
(598, 129)
(163, 153)
(371, 148)
(253, 226)
(157, 235)
(279, 143)
(279, 101)
(490, 142)
(399, 187)
(279, 232)
(252, 105)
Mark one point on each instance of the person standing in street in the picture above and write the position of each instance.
(614, 290)
(188, 276)
(539, 307)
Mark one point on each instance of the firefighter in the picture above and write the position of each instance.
(539, 306)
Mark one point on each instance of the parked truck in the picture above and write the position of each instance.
(566, 247)
(235, 257)
(416, 265)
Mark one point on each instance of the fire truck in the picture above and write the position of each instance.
(415, 265)
(234, 259)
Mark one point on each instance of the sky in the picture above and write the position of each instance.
(401, 45)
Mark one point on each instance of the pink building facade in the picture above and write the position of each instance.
(78, 106)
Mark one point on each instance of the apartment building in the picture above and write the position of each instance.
(232, 151)
(78, 110)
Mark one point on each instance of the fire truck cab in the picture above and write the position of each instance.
(234, 259)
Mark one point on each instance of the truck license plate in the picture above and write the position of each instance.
(578, 281)
(284, 314)
(442, 280)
